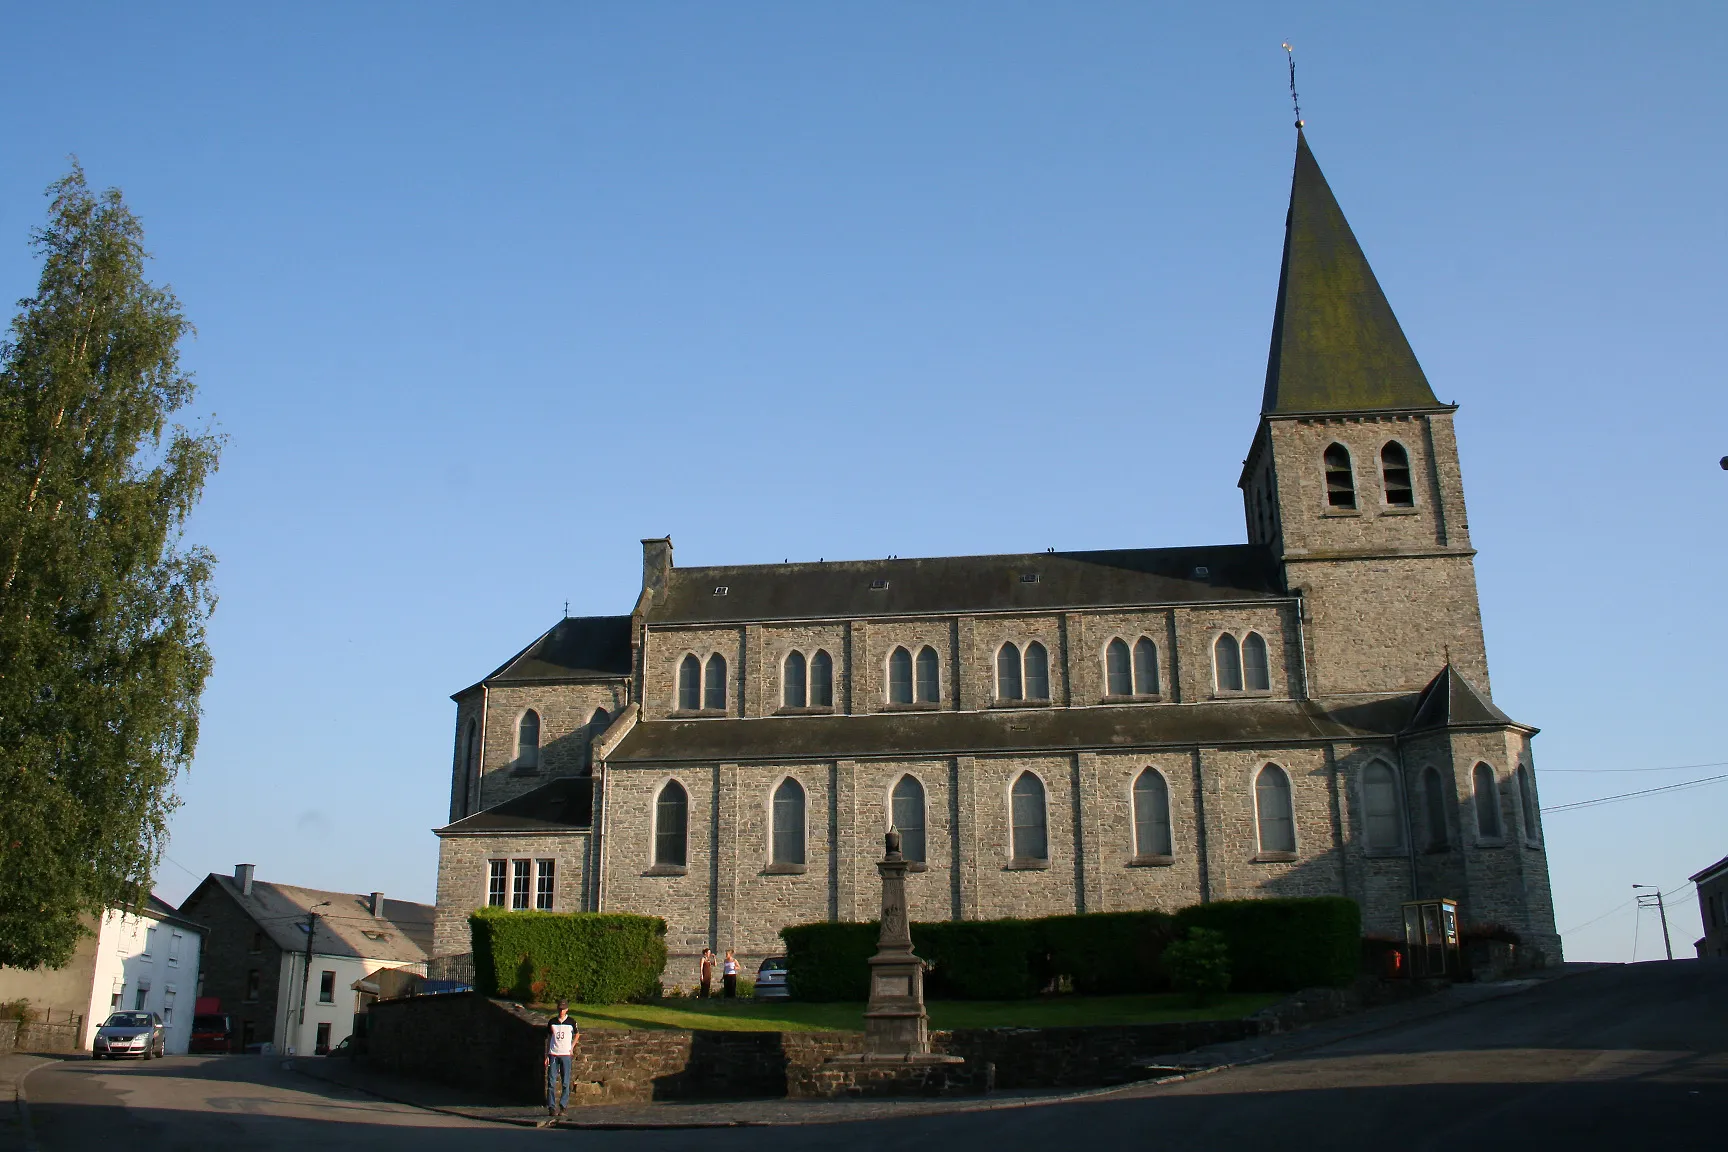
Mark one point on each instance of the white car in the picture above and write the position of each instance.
(130, 1034)
(771, 980)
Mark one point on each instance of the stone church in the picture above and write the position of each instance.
(1308, 713)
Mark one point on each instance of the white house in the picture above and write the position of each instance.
(144, 959)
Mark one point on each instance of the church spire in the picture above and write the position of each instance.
(1336, 346)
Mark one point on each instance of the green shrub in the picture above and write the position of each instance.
(1106, 953)
(1282, 945)
(588, 957)
(981, 959)
(828, 961)
(1199, 964)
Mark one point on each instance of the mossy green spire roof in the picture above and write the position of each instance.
(1336, 346)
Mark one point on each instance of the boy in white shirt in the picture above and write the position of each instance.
(562, 1036)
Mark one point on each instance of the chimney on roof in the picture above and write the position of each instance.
(656, 564)
(243, 877)
(376, 903)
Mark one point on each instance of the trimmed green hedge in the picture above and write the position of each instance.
(588, 957)
(1275, 945)
(1282, 945)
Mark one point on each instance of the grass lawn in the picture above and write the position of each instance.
(794, 1016)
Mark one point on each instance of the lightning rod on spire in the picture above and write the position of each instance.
(1290, 52)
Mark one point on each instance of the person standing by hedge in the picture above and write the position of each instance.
(562, 1036)
(729, 975)
(707, 972)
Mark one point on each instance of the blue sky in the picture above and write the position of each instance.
(485, 295)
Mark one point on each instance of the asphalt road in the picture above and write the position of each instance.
(1618, 1058)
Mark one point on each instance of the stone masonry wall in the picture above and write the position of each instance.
(565, 712)
(464, 871)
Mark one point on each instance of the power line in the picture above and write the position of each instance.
(1640, 792)
(1616, 771)
(1621, 907)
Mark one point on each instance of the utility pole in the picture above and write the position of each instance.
(1643, 899)
(306, 973)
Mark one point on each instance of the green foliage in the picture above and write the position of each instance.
(828, 961)
(1107, 953)
(1273, 945)
(1282, 945)
(588, 957)
(20, 1010)
(980, 959)
(1199, 964)
(102, 607)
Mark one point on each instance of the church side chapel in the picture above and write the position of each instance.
(1306, 714)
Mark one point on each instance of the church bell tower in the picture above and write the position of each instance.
(1353, 480)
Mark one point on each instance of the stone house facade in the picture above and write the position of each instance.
(1304, 714)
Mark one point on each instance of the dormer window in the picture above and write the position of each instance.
(1340, 479)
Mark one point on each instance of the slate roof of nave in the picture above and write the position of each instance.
(575, 648)
(556, 806)
(1055, 729)
(843, 589)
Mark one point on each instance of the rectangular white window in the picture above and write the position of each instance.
(168, 1007)
(174, 948)
(142, 997)
(149, 941)
(495, 882)
(544, 884)
(521, 876)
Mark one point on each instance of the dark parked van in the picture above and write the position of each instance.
(212, 1032)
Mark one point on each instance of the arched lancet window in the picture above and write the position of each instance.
(528, 740)
(1037, 672)
(821, 680)
(1395, 476)
(1434, 796)
(1118, 672)
(788, 846)
(1151, 814)
(900, 676)
(1340, 480)
(1273, 814)
(1227, 663)
(714, 683)
(1008, 674)
(792, 681)
(672, 825)
(1027, 804)
(929, 676)
(1145, 667)
(1527, 799)
(1487, 801)
(1385, 815)
(1256, 674)
(908, 816)
(690, 684)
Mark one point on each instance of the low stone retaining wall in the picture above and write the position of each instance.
(8, 1035)
(47, 1037)
(495, 1047)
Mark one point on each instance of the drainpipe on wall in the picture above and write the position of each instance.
(597, 839)
(480, 762)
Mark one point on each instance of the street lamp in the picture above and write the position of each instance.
(1644, 898)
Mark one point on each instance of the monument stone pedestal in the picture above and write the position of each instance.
(896, 1060)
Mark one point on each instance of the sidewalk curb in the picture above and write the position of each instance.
(22, 1102)
(983, 1104)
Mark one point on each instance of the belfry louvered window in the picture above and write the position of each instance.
(1340, 480)
(1395, 476)
(690, 684)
